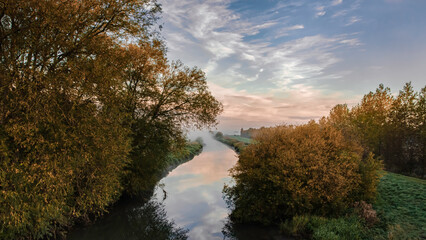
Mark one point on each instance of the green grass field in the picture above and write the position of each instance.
(401, 207)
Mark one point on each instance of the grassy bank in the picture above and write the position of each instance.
(401, 208)
(238, 143)
(184, 155)
(400, 211)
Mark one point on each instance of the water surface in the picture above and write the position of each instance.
(186, 203)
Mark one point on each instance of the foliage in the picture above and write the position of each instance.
(249, 133)
(405, 140)
(60, 121)
(161, 106)
(308, 169)
(218, 135)
(392, 128)
(84, 114)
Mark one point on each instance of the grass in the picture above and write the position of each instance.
(236, 142)
(187, 153)
(400, 206)
(240, 139)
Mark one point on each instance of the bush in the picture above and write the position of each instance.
(219, 135)
(309, 169)
(366, 212)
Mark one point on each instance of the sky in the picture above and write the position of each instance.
(274, 62)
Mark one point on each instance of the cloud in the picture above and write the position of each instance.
(320, 11)
(355, 5)
(258, 79)
(336, 2)
(296, 105)
(353, 20)
(286, 30)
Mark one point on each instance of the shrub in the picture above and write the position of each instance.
(366, 212)
(308, 169)
(219, 135)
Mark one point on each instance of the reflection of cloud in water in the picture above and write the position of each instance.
(194, 191)
(206, 168)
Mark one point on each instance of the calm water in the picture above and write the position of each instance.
(186, 203)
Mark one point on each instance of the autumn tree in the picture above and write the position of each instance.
(88, 100)
(163, 99)
(60, 122)
(308, 169)
(76, 100)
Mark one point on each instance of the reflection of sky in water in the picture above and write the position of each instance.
(194, 191)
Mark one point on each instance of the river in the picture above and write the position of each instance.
(188, 202)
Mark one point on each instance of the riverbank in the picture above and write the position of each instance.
(175, 159)
(237, 143)
(400, 210)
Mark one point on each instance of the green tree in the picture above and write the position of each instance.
(405, 146)
(370, 117)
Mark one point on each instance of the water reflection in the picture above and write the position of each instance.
(146, 221)
(187, 203)
(194, 191)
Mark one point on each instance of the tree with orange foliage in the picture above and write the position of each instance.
(76, 99)
(307, 169)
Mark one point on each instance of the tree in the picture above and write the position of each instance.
(405, 145)
(370, 118)
(162, 99)
(59, 115)
(392, 128)
(308, 169)
(81, 108)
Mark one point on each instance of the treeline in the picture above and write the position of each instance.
(249, 133)
(90, 108)
(393, 128)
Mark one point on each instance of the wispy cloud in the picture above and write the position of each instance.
(264, 79)
(336, 2)
(286, 30)
(320, 11)
(353, 20)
